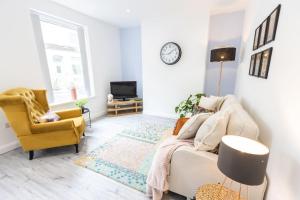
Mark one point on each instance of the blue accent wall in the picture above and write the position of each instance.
(131, 56)
(224, 30)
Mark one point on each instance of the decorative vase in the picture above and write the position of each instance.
(73, 93)
(110, 98)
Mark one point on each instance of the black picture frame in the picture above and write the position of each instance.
(257, 63)
(263, 33)
(266, 32)
(252, 62)
(265, 63)
(273, 20)
(260, 63)
(256, 38)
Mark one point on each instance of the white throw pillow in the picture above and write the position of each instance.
(49, 117)
(210, 133)
(211, 103)
(189, 129)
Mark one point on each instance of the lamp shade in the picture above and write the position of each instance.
(243, 160)
(223, 54)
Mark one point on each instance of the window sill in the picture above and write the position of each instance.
(53, 105)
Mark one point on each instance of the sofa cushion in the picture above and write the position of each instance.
(211, 103)
(190, 128)
(229, 100)
(240, 123)
(211, 131)
(179, 124)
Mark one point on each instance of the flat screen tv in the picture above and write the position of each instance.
(123, 89)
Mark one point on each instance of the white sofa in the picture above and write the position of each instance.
(191, 169)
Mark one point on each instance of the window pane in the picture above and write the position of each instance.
(64, 62)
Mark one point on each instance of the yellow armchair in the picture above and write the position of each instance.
(23, 107)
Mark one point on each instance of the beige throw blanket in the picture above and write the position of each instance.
(157, 177)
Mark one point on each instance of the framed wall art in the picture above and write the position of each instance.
(265, 63)
(260, 63)
(252, 62)
(256, 38)
(266, 32)
(257, 64)
(262, 35)
(272, 25)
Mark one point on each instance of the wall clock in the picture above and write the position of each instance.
(170, 53)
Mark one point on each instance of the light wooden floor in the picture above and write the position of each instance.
(53, 175)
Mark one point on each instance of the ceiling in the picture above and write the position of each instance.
(128, 13)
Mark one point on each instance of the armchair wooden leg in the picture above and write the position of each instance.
(83, 134)
(31, 154)
(76, 148)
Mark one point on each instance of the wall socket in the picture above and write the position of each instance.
(7, 125)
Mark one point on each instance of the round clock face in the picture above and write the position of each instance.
(170, 53)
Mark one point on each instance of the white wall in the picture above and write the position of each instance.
(225, 30)
(20, 64)
(131, 54)
(166, 86)
(275, 102)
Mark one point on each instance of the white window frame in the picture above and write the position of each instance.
(37, 17)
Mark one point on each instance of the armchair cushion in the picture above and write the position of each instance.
(70, 113)
(67, 124)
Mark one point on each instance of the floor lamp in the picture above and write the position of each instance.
(222, 55)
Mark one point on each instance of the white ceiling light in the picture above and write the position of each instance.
(128, 10)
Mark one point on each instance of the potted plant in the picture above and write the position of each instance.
(80, 103)
(189, 106)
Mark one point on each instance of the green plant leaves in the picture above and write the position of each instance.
(189, 105)
(81, 102)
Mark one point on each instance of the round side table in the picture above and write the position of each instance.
(216, 192)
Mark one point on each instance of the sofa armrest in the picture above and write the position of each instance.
(61, 125)
(70, 113)
(191, 169)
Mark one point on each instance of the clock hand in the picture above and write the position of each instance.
(170, 52)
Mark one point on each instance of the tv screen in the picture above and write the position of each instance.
(123, 89)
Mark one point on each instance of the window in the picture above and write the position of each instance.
(64, 57)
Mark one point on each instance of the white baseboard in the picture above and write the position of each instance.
(9, 147)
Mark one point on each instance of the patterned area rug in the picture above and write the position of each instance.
(127, 157)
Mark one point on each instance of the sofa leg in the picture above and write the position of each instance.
(83, 134)
(31, 154)
(76, 148)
